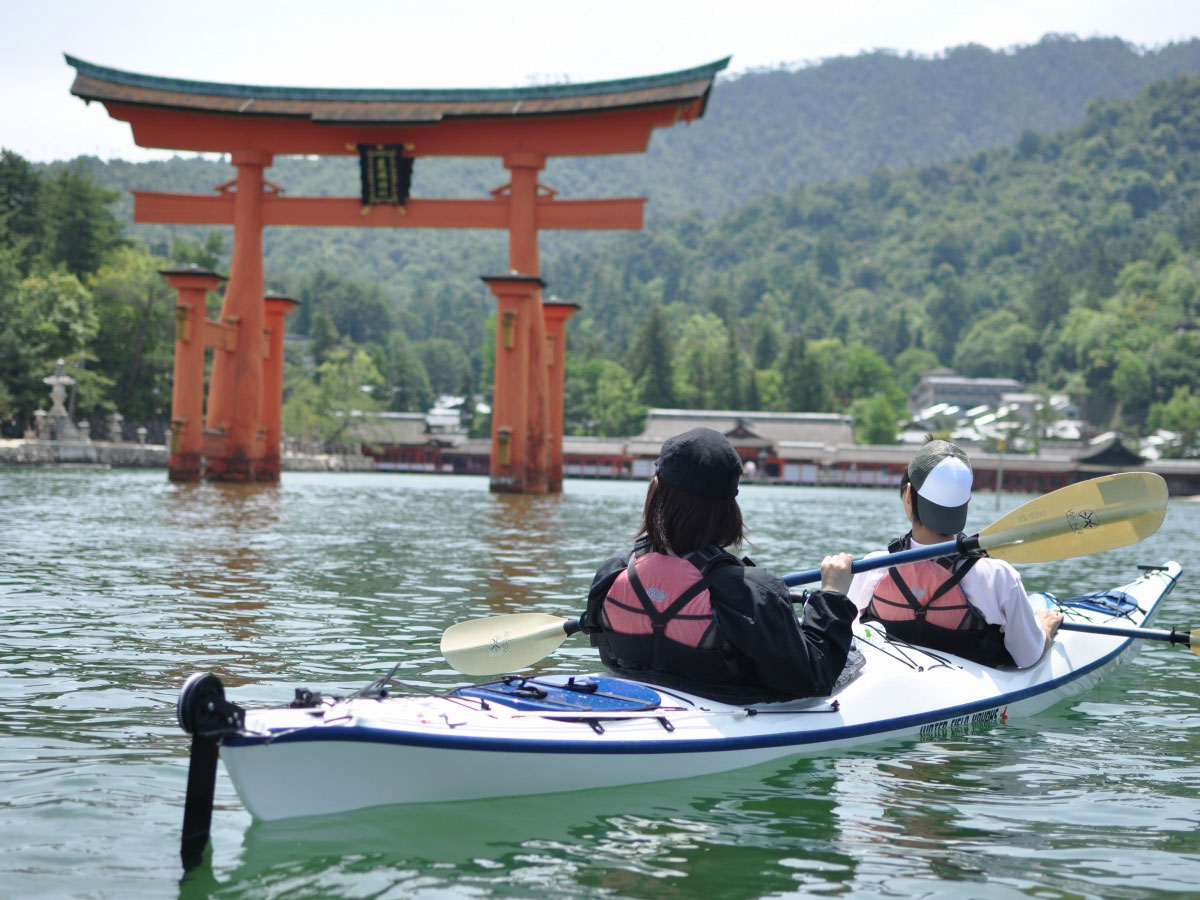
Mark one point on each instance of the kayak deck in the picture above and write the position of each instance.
(552, 733)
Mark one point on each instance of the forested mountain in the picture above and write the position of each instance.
(819, 237)
(1068, 260)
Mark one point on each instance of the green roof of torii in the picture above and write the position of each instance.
(338, 105)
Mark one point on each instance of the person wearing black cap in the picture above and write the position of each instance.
(974, 607)
(680, 611)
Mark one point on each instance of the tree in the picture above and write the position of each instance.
(444, 362)
(1181, 415)
(80, 228)
(804, 387)
(615, 408)
(999, 345)
(359, 310)
(949, 249)
(828, 262)
(734, 365)
(947, 309)
(599, 398)
(324, 334)
(753, 395)
(875, 420)
(207, 253)
(45, 318)
(909, 366)
(21, 222)
(651, 361)
(134, 343)
(324, 411)
(701, 347)
(1029, 143)
(1051, 297)
(860, 372)
(1131, 385)
(1044, 417)
(467, 389)
(404, 377)
(766, 344)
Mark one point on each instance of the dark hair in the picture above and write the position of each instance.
(904, 483)
(681, 523)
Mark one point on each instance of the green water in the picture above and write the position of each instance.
(116, 585)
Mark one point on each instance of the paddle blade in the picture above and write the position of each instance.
(502, 643)
(1080, 519)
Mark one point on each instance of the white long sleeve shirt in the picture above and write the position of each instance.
(995, 590)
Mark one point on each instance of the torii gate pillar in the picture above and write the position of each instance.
(277, 308)
(191, 447)
(235, 396)
(555, 313)
(521, 403)
(187, 392)
(519, 408)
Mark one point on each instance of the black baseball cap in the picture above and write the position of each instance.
(700, 462)
(941, 481)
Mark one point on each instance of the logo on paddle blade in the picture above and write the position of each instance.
(1082, 520)
(499, 644)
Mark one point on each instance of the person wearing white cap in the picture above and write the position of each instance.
(974, 607)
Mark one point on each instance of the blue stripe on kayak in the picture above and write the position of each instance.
(364, 734)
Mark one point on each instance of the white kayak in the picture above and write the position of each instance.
(553, 733)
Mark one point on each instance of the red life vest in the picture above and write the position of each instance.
(658, 615)
(923, 603)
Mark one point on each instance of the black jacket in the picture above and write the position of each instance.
(773, 656)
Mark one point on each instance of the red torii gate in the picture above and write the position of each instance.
(253, 124)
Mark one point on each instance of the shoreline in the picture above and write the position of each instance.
(21, 453)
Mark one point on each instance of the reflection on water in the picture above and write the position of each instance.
(116, 585)
(519, 536)
(224, 533)
(629, 841)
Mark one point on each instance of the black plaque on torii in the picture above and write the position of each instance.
(386, 174)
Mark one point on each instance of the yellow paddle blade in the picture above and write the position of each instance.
(1080, 519)
(1194, 642)
(502, 643)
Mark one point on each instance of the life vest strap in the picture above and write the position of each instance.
(659, 619)
(919, 609)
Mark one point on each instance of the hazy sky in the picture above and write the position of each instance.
(484, 43)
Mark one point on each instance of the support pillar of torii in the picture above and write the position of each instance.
(193, 446)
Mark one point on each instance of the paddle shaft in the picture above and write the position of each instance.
(956, 547)
(1153, 634)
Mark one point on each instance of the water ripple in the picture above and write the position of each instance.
(117, 585)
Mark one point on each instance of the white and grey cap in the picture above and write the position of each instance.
(941, 481)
